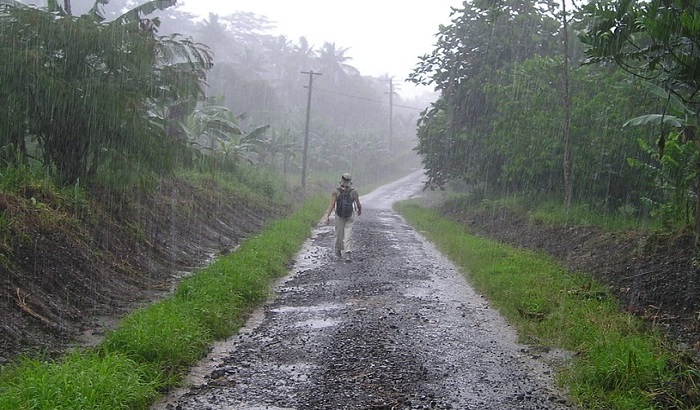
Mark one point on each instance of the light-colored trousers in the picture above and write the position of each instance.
(343, 233)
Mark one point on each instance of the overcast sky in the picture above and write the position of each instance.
(383, 36)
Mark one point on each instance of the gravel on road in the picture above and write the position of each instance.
(396, 328)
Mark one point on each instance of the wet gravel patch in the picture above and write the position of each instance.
(397, 328)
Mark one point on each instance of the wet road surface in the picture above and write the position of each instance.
(396, 328)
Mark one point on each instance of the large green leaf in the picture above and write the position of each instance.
(655, 119)
(223, 125)
(135, 14)
(97, 12)
(257, 133)
(674, 103)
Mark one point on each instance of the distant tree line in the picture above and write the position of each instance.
(259, 77)
(152, 89)
(498, 123)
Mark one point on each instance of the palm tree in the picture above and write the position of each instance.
(279, 51)
(251, 63)
(333, 63)
(297, 58)
(304, 54)
(214, 32)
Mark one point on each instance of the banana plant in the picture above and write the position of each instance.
(210, 127)
(683, 117)
(213, 131)
(680, 117)
(91, 92)
(248, 147)
(278, 143)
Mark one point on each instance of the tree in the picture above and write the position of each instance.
(602, 98)
(566, 126)
(333, 63)
(215, 34)
(659, 41)
(89, 92)
(304, 52)
(473, 53)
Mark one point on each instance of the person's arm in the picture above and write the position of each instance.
(331, 205)
(358, 205)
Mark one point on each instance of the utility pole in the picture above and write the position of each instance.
(391, 111)
(306, 128)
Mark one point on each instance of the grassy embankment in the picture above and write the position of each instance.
(618, 363)
(152, 348)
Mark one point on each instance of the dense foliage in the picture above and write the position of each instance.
(499, 122)
(263, 79)
(659, 41)
(99, 94)
(81, 93)
(475, 54)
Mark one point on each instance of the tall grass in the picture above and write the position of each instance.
(30, 198)
(244, 179)
(551, 211)
(153, 347)
(81, 380)
(618, 363)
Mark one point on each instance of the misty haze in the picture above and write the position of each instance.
(522, 229)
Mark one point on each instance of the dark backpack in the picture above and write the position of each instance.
(343, 204)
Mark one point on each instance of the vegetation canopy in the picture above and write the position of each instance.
(511, 111)
(84, 93)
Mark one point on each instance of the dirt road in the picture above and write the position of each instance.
(396, 328)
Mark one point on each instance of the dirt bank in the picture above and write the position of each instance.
(69, 273)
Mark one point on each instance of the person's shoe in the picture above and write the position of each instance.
(348, 257)
(337, 253)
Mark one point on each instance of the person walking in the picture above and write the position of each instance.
(344, 200)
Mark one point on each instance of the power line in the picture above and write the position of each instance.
(357, 97)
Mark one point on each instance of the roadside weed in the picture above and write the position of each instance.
(81, 380)
(162, 334)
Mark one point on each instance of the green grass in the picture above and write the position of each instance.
(247, 182)
(30, 199)
(551, 211)
(80, 380)
(153, 347)
(618, 364)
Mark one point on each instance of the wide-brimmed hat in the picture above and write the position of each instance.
(345, 179)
